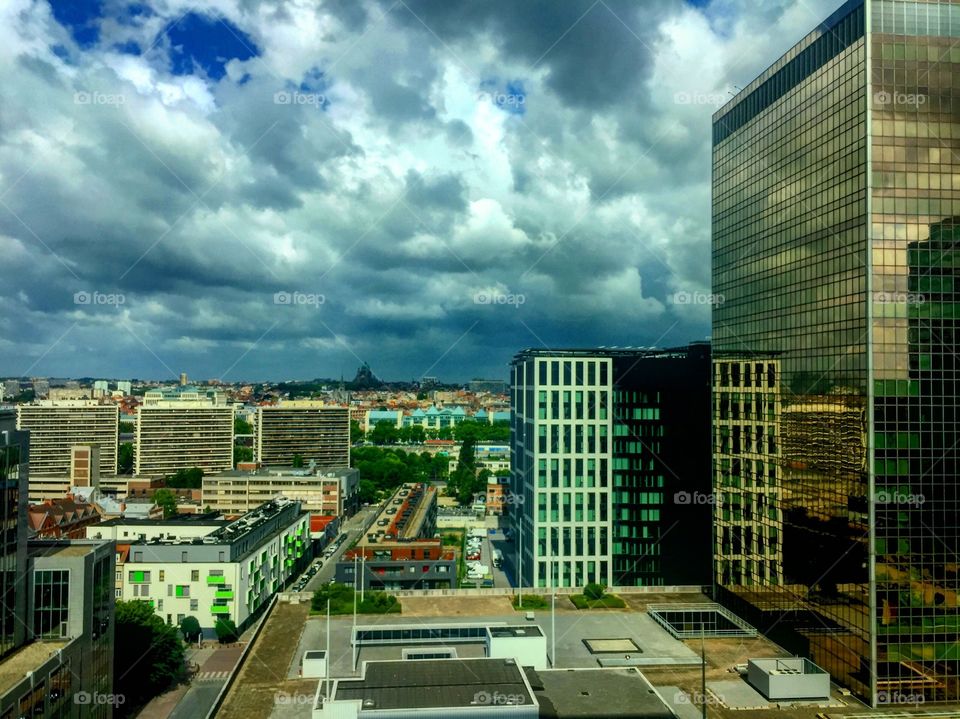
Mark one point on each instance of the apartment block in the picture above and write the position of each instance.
(175, 434)
(309, 430)
(229, 572)
(56, 426)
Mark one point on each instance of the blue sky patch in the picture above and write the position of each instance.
(511, 98)
(207, 44)
(81, 18)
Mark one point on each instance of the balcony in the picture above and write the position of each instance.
(219, 609)
(212, 580)
(223, 594)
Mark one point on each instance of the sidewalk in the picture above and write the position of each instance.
(215, 663)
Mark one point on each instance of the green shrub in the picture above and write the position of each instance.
(607, 601)
(593, 591)
(531, 602)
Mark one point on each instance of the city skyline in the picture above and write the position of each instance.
(238, 195)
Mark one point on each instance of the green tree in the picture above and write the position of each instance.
(356, 432)
(384, 433)
(338, 594)
(594, 591)
(241, 426)
(242, 454)
(367, 491)
(190, 628)
(186, 479)
(226, 630)
(468, 457)
(297, 461)
(148, 654)
(167, 501)
(127, 428)
(125, 458)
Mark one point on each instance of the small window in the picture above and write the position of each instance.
(195, 575)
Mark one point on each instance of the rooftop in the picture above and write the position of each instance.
(286, 472)
(28, 658)
(63, 548)
(517, 630)
(183, 520)
(653, 352)
(403, 516)
(578, 692)
(434, 683)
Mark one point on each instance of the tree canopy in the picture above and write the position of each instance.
(148, 653)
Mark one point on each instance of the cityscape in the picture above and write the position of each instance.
(589, 359)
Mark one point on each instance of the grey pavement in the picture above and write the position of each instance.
(657, 647)
(198, 700)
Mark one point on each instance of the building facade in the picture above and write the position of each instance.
(175, 434)
(604, 458)
(56, 426)
(227, 573)
(323, 492)
(14, 472)
(305, 429)
(836, 215)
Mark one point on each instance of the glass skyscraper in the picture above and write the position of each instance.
(836, 251)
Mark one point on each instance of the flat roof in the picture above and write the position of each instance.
(517, 630)
(411, 529)
(587, 352)
(27, 658)
(200, 521)
(44, 548)
(434, 683)
(576, 693)
(284, 472)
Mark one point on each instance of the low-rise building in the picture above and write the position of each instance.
(331, 492)
(442, 688)
(66, 667)
(229, 573)
(66, 518)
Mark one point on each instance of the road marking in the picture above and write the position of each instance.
(211, 676)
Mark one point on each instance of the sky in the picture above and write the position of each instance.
(254, 190)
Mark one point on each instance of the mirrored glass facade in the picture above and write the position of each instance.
(836, 229)
(14, 459)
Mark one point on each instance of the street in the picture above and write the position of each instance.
(353, 527)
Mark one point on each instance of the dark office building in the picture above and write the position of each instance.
(14, 461)
(836, 228)
(611, 454)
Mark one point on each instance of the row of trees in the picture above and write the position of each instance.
(466, 481)
(383, 470)
(387, 433)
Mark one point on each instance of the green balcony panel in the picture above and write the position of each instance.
(219, 609)
(224, 594)
(216, 580)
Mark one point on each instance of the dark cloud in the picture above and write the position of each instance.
(404, 162)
